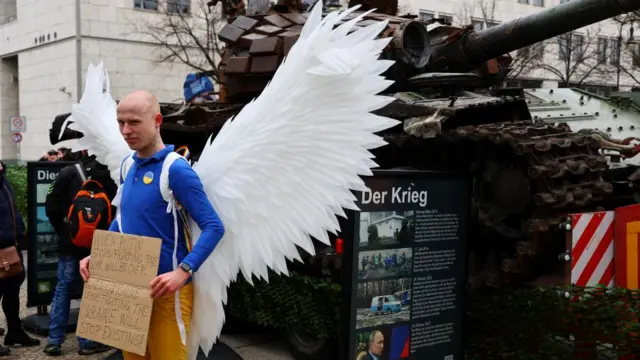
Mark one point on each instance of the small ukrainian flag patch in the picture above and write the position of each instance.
(147, 178)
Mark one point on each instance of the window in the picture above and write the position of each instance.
(145, 4)
(538, 3)
(426, 15)
(178, 6)
(613, 60)
(602, 50)
(447, 18)
(477, 25)
(523, 2)
(635, 58)
(577, 45)
(563, 47)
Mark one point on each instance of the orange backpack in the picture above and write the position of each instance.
(90, 210)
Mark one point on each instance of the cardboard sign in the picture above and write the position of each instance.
(116, 303)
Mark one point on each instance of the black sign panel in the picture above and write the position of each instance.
(42, 259)
(408, 267)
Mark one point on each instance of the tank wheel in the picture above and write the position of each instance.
(304, 346)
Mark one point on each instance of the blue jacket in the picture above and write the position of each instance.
(12, 228)
(144, 211)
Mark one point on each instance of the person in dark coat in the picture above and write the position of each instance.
(57, 204)
(12, 233)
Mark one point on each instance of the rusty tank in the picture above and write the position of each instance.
(527, 174)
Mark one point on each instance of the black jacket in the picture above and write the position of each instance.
(12, 228)
(61, 194)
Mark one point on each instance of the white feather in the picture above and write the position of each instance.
(282, 169)
(95, 116)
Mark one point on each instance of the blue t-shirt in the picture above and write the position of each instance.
(144, 211)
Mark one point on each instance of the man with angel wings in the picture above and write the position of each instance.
(276, 174)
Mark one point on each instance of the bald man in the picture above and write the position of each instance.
(144, 212)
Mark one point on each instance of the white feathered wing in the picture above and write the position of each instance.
(285, 166)
(95, 116)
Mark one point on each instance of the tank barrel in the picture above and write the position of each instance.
(478, 47)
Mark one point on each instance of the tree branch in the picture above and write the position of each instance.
(188, 37)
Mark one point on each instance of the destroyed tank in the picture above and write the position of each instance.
(527, 174)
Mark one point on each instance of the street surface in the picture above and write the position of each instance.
(250, 346)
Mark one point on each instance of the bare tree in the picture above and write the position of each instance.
(187, 35)
(576, 58)
(626, 59)
(572, 58)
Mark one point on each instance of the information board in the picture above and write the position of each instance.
(42, 259)
(408, 264)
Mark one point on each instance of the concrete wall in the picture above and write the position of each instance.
(9, 105)
(7, 11)
(47, 80)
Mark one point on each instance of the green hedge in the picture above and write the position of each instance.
(17, 177)
(544, 323)
(306, 302)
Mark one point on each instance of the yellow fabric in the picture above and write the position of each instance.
(164, 336)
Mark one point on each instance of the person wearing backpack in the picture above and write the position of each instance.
(79, 202)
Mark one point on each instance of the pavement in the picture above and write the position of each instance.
(256, 346)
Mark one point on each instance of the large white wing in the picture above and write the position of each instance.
(95, 116)
(285, 166)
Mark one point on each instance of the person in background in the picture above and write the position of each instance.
(198, 89)
(57, 204)
(51, 155)
(12, 233)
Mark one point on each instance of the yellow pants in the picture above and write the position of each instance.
(164, 335)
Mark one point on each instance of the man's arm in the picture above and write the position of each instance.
(188, 190)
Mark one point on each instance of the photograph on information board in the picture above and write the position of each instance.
(377, 303)
(389, 263)
(380, 228)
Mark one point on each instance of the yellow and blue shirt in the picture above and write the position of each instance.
(144, 211)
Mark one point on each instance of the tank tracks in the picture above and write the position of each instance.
(527, 178)
(536, 172)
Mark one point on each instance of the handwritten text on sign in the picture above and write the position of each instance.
(116, 303)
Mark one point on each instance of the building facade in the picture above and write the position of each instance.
(45, 50)
(46, 46)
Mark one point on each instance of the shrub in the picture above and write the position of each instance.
(17, 177)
